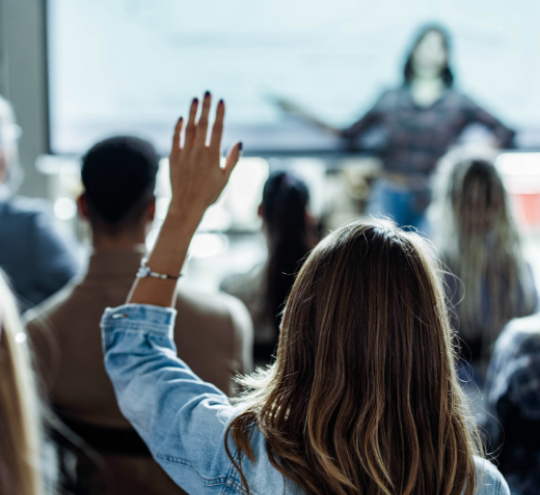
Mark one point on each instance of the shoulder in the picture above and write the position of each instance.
(514, 369)
(211, 305)
(218, 309)
(520, 336)
(459, 99)
(392, 96)
(238, 313)
(30, 208)
(528, 325)
(261, 476)
(395, 92)
(31, 216)
(46, 311)
(244, 285)
(489, 481)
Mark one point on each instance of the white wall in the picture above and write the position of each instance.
(23, 82)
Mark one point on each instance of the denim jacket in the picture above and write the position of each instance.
(183, 420)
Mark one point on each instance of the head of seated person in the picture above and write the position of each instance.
(119, 178)
(288, 229)
(364, 382)
(287, 226)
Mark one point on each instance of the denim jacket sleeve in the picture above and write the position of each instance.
(182, 419)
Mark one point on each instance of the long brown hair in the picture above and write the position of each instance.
(20, 426)
(478, 238)
(363, 397)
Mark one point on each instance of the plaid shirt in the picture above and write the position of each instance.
(417, 137)
(513, 404)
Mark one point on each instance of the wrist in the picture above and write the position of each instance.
(187, 205)
(183, 214)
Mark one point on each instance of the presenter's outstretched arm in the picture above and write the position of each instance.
(197, 180)
(292, 108)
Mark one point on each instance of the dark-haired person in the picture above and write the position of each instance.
(288, 227)
(213, 333)
(363, 397)
(38, 258)
(420, 119)
(512, 395)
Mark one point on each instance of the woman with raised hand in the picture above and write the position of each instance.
(363, 396)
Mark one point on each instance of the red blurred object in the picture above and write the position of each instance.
(528, 208)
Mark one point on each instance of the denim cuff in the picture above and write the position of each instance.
(143, 318)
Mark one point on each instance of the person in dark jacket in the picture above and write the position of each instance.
(38, 258)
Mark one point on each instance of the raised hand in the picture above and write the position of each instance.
(197, 178)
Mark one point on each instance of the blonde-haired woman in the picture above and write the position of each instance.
(363, 397)
(474, 228)
(20, 425)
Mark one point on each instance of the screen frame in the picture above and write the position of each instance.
(346, 150)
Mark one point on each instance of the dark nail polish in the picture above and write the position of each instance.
(207, 94)
(240, 146)
(221, 102)
(195, 101)
(180, 119)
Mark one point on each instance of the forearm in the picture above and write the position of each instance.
(167, 257)
(355, 130)
(329, 129)
(502, 133)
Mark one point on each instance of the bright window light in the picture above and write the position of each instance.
(65, 208)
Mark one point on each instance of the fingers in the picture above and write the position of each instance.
(190, 128)
(217, 130)
(202, 126)
(176, 146)
(232, 159)
(196, 132)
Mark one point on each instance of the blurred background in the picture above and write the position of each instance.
(77, 71)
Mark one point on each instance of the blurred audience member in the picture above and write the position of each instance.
(288, 230)
(35, 255)
(513, 398)
(20, 424)
(213, 334)
(474, 228)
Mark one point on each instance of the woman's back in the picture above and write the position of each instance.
(363, 397)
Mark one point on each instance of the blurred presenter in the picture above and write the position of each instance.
(420, 120)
